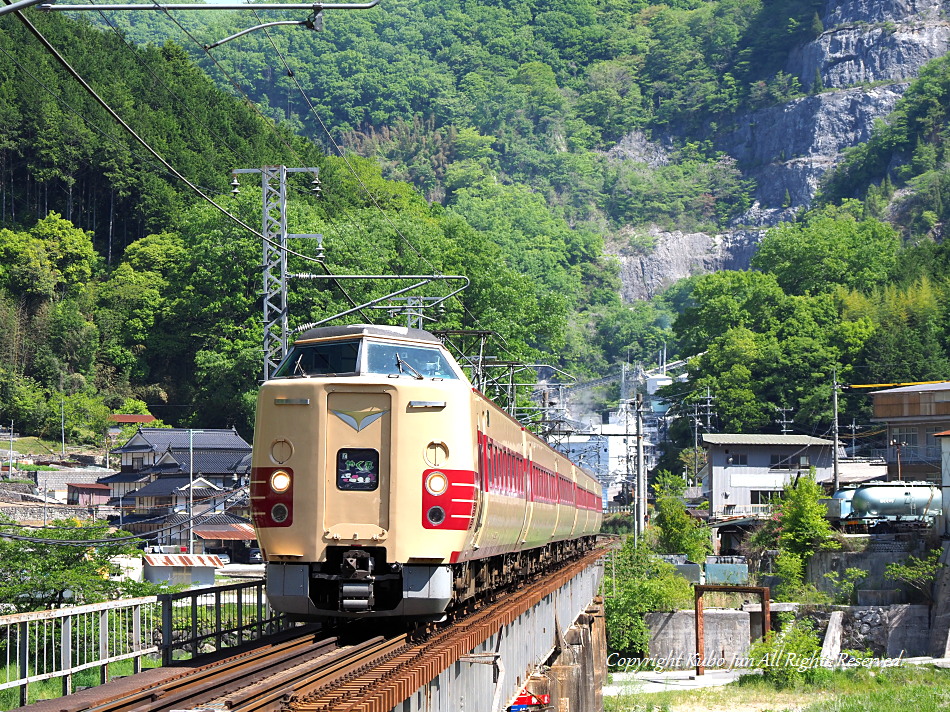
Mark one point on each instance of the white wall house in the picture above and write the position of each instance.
(744, 472)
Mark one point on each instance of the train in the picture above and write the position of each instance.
(383, 484)
(890, 505)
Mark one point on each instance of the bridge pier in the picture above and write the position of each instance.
(557, 648)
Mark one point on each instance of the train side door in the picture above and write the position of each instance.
(524, 467)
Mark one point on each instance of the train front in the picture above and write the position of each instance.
(363, 481)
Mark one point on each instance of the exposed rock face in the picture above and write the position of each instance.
(872, 41)
(787, 149)
(854, 11)
(791, 146)
(676, 255)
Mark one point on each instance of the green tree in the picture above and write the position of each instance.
(639, 582)
(917, 572)
(830, 248)
(803, 525)
(677, 532)
(39, 574)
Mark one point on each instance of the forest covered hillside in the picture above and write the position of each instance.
(521, 145)
(121, 288)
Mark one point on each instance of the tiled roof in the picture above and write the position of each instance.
(178, 439)
(220, 462)
(166, 487)
(133, 448)
(123, 477)
(757, 439)
(161, 439)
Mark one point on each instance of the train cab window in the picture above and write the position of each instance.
(357, 469)
(413, 361)
(320, 359)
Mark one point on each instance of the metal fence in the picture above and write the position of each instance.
(58, 644)
(209, 619)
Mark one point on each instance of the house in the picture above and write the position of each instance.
(175, 482)
(215, 454)
(744, 472)
(913, 416)
(87, 494)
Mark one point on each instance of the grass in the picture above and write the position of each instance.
(51, 689)
(912, 687)
(36, 446)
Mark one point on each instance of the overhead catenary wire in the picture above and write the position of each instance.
(342, 153)
(110, 540)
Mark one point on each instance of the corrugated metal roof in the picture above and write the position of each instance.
(231, 532)
(945, 386)
(758, 439)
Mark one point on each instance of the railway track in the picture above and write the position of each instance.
(317, 672)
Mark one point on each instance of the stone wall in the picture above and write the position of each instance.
(38, 513)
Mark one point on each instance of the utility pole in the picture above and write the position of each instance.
(834, 401)
(784, 420)
(708, 408)
(274, 230)
(641, 470)
(696, 443)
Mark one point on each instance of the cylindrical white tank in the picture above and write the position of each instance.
(896, 499)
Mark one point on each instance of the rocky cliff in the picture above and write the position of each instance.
(864, 59)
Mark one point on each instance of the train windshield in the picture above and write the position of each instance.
(415, 361)
(321, 359)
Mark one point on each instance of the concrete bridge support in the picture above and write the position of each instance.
(555, 649)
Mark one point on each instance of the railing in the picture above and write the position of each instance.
(207, 619)
(758, 511)
(58, 644)
(46, 645)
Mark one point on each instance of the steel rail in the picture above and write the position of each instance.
(392, 679)
(144, 691)
(315, 672)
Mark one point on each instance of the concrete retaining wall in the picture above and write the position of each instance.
(873, 562)
(726, 634)
(562, 622)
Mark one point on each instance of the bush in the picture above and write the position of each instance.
(638, 582)
(790, 659)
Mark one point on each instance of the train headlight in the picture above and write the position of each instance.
(280, 481)
(435, 515)
(436, 483)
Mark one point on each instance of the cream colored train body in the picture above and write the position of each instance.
(383, 484)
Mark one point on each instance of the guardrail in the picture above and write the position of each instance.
(58, 644)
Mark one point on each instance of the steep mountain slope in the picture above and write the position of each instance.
(860, 63)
